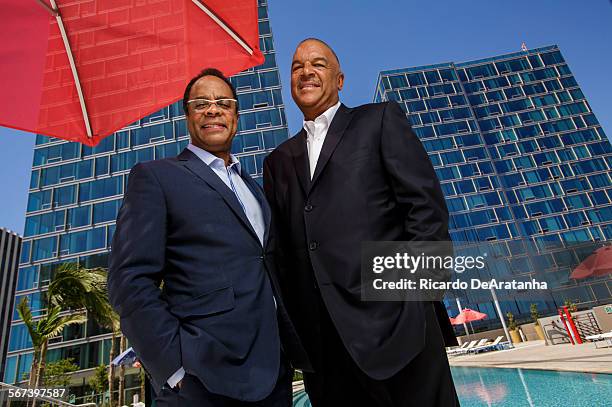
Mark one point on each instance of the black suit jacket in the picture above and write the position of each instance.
(373, 182)
(215, 315)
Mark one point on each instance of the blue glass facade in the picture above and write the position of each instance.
(76, 191)
(520, 156)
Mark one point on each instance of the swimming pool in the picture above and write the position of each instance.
(478, 387)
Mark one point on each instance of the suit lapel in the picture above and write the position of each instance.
(265, 208)
(334, 135)
(203, 171)
(300, 160)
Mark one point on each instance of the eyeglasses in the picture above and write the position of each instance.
(202, 105)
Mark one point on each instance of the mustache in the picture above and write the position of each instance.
(308, 82)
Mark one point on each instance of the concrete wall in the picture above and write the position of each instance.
(604, 320)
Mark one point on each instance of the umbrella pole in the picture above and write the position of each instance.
(75, 74)
(464, 324)
(501, 317)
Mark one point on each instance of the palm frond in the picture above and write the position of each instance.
(75, 287)
(25, 313)
(60, 323)
(72, 288)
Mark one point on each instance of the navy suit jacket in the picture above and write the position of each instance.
(215, 314)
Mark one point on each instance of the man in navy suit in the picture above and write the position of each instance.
(211, 336)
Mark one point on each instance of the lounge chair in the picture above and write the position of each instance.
(496, 344)
(455, 348)
(470, 346)
(480, 344)
(462, 348)
(600, 338)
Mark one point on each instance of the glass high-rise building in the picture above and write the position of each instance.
(76, 191)
(520, 156)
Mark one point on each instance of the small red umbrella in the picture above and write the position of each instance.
(82, 69)
(468, 315)
(597, 264)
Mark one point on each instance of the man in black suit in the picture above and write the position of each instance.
(353, 175)
(200, 224)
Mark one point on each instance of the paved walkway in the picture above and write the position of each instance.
(536, 355)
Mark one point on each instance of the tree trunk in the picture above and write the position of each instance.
(33, 372)
(34, 369)
(111, 371)
(41, 365)
(41, 368)
(142, 386)
(121, 399)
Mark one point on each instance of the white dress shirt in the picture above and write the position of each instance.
(230, 175)
(316, 130)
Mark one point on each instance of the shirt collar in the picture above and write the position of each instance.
(326, 117)
(212, 160)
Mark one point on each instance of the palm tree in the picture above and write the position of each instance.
(49, 326)
(78, 287)
(73, 287)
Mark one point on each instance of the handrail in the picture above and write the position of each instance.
(55, 402)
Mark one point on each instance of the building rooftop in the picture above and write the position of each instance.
(469, 63)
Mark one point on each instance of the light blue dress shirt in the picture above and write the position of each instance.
(230, 175)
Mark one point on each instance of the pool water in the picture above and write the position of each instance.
(478, 387)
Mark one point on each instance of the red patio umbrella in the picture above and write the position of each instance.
(83, 69)
(468, 315)
(597, 264)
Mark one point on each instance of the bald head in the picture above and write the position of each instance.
(323, 43)
(316, 77)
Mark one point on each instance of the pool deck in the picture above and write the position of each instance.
(536, 355)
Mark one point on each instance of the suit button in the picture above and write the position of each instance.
(313, 245)
(308, 208)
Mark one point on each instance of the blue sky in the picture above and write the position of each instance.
(370, 36)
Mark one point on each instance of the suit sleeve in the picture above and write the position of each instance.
(136, 269)
(268, 183)
(416, 188)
